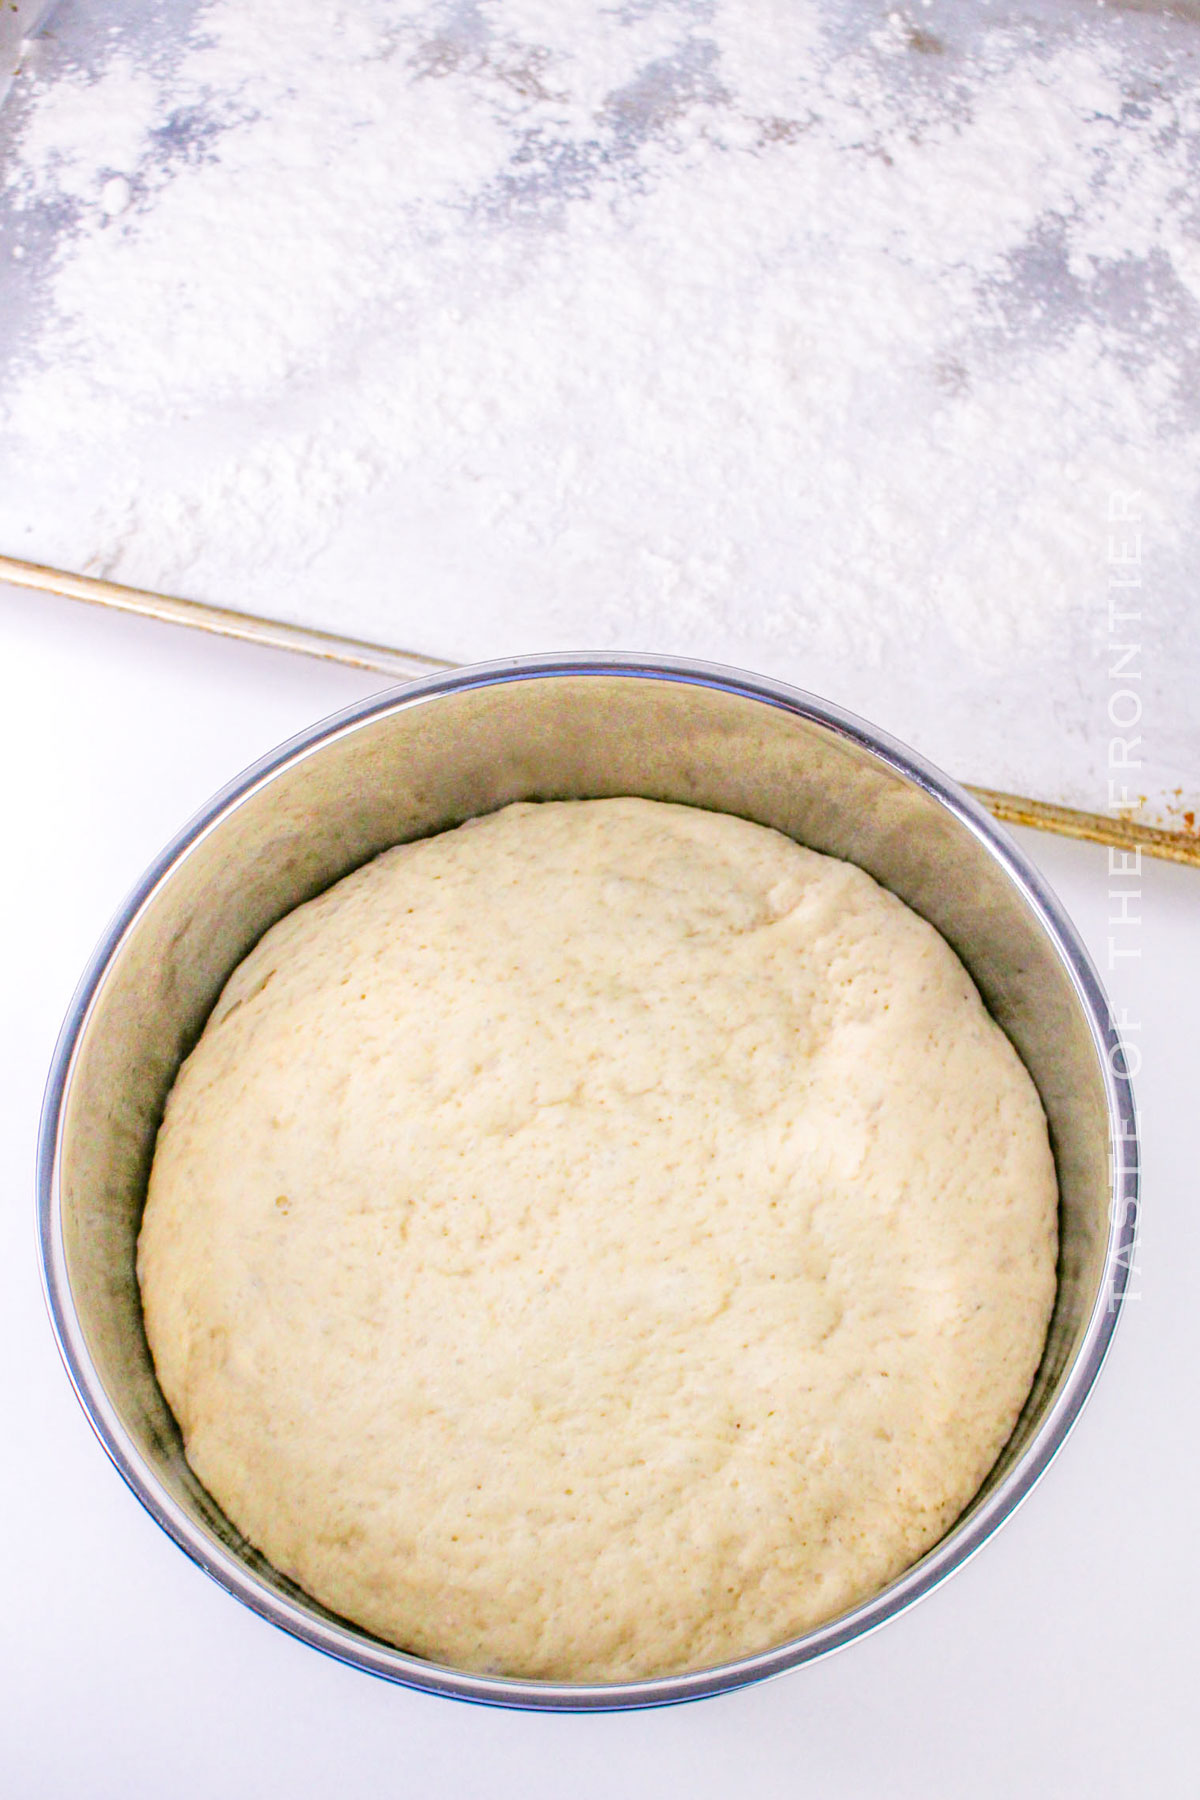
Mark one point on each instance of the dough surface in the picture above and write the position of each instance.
(601, 1240)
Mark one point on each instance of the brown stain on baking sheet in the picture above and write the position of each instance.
(1118, 831)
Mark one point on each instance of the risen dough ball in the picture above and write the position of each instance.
(598, 1241)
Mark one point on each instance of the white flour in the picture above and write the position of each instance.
(490, 327)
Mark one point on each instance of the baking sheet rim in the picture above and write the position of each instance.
(1116, 830)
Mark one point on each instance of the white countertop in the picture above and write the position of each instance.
(1058, 1663)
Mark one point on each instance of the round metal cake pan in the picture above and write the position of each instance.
(424, 757)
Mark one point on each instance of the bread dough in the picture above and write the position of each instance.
(602, 1240)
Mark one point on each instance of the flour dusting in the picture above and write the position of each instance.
(774, 333)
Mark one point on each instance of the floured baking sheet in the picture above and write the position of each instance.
(19, 19)
(857, 346)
